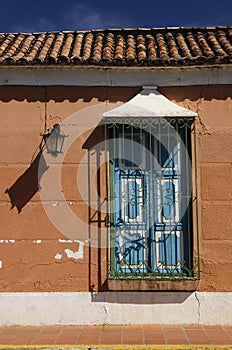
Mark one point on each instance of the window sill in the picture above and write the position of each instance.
(155, 285)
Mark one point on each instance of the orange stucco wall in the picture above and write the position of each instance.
(28, 260)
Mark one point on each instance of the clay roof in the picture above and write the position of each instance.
(119, 47)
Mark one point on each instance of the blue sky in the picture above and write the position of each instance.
(51, 15)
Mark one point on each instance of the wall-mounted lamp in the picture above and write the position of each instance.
(54, 140)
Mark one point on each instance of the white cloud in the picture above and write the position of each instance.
(76, 16)
(42, 24)
(45, 25)
(22, 29)
(84, 16)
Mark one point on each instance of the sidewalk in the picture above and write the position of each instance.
(120, 337)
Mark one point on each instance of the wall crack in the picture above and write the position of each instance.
(106, 314)
(198, 308)
(205, 129)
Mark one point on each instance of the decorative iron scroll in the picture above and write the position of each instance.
(159, 274)
(145, 122)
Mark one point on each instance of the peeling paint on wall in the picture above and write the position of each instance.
(38, 241)
(58, 256)
(76, 255)
(7, 241)
(68, 241)
(0, 264)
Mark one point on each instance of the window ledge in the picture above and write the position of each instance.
(139, 285)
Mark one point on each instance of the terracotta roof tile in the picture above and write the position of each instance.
(151, 48)
(183, 47)
(76, 54)
(87, 46)
(6, 42)
(108, 47)
(46, 47)
(31, 54)
(67, 46)
(130, 48)
(173, 47)
(225, 44)
(163, 52)
(56, 47)
(24, 48)
(215, 44)
(119, 47)
(139, 47)
(230, 33)
(97, 50)
(204, 45)
(193, 45)
(13, 48)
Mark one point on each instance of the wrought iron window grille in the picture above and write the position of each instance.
(152, 198)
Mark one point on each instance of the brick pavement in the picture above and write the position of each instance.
(98, 336)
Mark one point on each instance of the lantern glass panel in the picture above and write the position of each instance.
(51, 143)
(60, 141)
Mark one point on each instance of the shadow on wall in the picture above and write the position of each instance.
(27, 185)
(73, 94)
(95, 146)
(141, 297)
(194, 93)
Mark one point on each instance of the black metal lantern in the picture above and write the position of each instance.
(54, 140)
